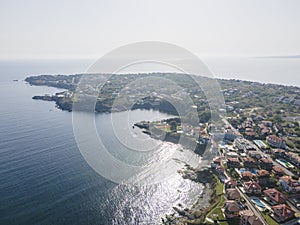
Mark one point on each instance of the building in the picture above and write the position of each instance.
(230, 135)
(267, 123)
(275, 141)
(274, 197)
(262, 174)
(232, 194)
(279, 153)
(289, 185)
(230, 184)
(232, 155)
(293, 158)
(282, 213)
(278, 128)
(254, 154)
(252, 187)
(278, 171)
(233, 163)
(263, 177)
(249, 162)
(247, 217)
(217, 161)
(266, 164)
(231, 209)
(297, 102)
(247, 175)
(220, 169)
(240, 144)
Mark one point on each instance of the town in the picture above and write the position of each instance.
(259, 178)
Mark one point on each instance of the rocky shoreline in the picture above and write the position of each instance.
(173, 137)
(197, 213)
(66, 104)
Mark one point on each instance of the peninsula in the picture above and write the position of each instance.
(255, 177)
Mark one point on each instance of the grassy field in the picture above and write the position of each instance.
(216, 213)
(269, 220)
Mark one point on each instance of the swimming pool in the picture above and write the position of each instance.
(260, 144)
(258, 203)
(253, 171)
(285, 163)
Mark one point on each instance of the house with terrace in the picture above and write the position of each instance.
(247, 176)
(289, 184)
(233, 163)
(231, 209)
(279, 153)
(278, 171)
(229, 135)
(254, 154)
(282, 213)
(232, 194)
(249, 162)
(247, 217)
(274, 197)
(250, 134)
(267, 123)
(266, 163)
(276, 142)
(217, 161)
(263, 177)
(294, 158)
(230, 183)
(263, 174)
(252, 187)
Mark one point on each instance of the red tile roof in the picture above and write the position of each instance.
(283, 210)
(249, 159)
(251, 186)
(247, 174)
(232, 206)
(231, 182)
(275, 195)
(291, 182)
(233, 159)
(278, 169)
(217, 160)
(221, 168)
(262, 173)
(266, 160)
(275, 138)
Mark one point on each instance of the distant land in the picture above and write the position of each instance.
(280, 57)
(277, 103)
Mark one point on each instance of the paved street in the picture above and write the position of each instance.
(252, 207)
(286, 171)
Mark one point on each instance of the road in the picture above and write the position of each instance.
(249, 203)
(286, 171)
(247, 199)
(252, 207)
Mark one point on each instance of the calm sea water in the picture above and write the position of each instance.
(44, 178)
(265, 70)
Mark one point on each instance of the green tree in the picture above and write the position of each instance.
(173, 126)
(277, 118)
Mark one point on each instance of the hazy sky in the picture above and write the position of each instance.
(88, 29)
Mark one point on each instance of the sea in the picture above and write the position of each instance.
(44, 178)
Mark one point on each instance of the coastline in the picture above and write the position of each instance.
(206, 201)
(172, 137)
